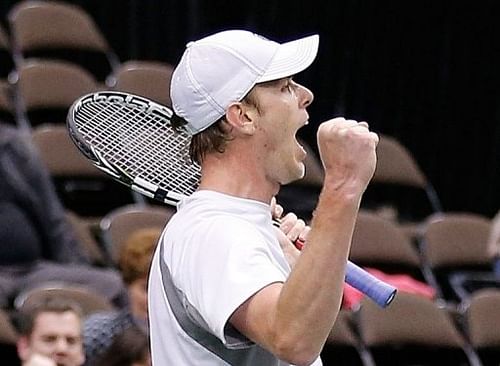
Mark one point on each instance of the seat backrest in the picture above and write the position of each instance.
(89, 301)
(81, 187)
(456, 239)
(413, 330)
(400, 184)
(59, 30)
(50, 83)
(494, 237)
(395, 164)
(379, 241)
(119, 224)
(150, 79)
(85, 236)
(59, 153)
(409, 320)
(483, 318)
(45, 89)
(39, 24)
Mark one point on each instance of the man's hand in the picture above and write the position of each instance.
(291, 234)
(39, 360)
(347, 150)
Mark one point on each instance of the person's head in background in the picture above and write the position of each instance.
(134, 262)
(50, 333)
(130, 348)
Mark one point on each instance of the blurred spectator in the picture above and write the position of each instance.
(130, 348)
(134, 262)
(107, 331)
(50, 334)
(37, 244)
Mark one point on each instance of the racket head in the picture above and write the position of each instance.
(130, 138)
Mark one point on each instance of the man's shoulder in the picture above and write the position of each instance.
(207, 223)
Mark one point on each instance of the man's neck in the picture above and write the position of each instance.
(238, 175)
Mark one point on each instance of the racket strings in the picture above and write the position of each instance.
(111, 135)
(140, 141)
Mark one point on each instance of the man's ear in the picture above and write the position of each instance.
(241, 117)
(23, 348)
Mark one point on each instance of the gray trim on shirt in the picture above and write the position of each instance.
(189, 319)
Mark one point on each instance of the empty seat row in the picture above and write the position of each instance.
(43, 90)
(415, 330)
(53, 52)
(58, 30)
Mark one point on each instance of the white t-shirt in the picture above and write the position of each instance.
(219, 250)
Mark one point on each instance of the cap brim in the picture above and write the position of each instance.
(291, 58)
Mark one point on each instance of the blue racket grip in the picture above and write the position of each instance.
(379, 291)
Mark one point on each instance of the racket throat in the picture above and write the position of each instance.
(153, 191)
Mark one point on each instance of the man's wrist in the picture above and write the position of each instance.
(346, 192)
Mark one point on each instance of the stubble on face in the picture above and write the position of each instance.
(279, 120)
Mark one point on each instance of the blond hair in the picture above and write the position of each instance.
(214, 138)
(136, 253)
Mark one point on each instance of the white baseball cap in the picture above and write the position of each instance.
(220, 69)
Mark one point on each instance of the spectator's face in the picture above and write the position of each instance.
(56, 336)
(138, 293)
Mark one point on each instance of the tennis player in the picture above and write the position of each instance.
(224, 288)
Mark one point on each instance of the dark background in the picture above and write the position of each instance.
(426, 72)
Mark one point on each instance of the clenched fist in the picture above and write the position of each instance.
(347, 150)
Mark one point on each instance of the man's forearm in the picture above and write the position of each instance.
(311, 297)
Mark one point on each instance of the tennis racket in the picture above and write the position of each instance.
(130, 138)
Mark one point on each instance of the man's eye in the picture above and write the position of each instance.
(72, 340)
(288, 87)
(49, 339)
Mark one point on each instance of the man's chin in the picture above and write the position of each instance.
(298, 174)
(61, 362)
(301, 171)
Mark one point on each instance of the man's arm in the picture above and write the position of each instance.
(292, 320)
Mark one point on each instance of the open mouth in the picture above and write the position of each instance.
(302, 148)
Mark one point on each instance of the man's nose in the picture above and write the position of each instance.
(306, 96)
(61, 345)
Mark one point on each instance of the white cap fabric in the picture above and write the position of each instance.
(222, 68)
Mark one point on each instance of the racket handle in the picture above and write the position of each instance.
(379, 291)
